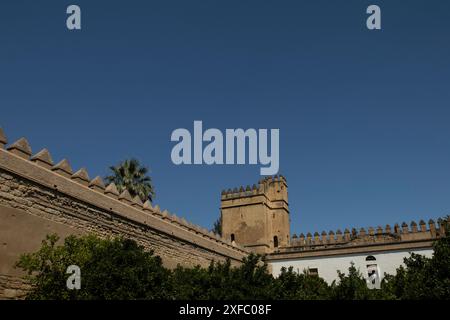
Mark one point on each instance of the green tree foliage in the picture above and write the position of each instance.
(110, 269)
(351, 286)
(221, 281)
(422, 277)
(290, 285)
(120, 269)
(217, 226)
(130, 175)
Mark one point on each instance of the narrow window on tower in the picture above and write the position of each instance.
(232, 237)
(275, 242)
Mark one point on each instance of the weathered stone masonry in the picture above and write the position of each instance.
(38, 197)
(258, 218)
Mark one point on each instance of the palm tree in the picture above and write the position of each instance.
(217, 226)
(130, 175)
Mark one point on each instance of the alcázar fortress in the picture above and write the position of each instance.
(39, 196)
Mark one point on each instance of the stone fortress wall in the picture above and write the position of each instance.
(258, 218)
(266, 205)
(38, 197)
(384, 249)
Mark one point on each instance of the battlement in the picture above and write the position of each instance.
(257, 217)
(273, 187)
(360, 237)
(40, 169)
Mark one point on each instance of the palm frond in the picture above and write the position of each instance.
(130, 175)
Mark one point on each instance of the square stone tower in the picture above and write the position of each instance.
(257, 217)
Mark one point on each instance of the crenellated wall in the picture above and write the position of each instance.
(38, 197)
(257, 217)
(254, 216)
(404, 233)
(377, 249)
(336, 248)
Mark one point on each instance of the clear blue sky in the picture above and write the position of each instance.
(364, 116)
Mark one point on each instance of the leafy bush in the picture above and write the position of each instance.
(121, 269)
(111, 269)
(290, 285)
(422, 277)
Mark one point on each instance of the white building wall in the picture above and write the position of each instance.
(387, 262)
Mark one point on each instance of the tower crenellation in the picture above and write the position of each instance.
(257, 216)
(402, 233)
